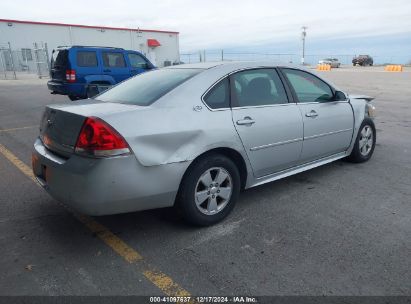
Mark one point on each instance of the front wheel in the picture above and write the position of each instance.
(209, 190)
(365, 142)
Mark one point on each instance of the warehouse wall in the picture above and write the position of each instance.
(22, 35)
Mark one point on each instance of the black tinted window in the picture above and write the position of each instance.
(307, 87)
(86, 59)
(258, 87)
(145, 88)
(59, 58)
(218, 97)
(113, 60)
(136, 61)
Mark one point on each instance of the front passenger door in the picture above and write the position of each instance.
(328, 123)
(138, 64)
(115, 66)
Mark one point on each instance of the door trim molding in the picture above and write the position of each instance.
(328, 133)
(280, 143)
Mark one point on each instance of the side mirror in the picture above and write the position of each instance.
(338, 95)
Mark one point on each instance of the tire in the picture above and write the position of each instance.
(199, 202)
(73, 97)
(91, 91)
(363, 150)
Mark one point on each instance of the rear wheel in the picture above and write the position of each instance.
(365, 142)
(209, 190)
(91, 91)
(73, 97)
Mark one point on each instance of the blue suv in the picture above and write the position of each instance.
(84, 71)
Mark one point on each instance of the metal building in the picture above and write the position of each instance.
(23, 43)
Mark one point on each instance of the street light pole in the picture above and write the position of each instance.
(303, 34)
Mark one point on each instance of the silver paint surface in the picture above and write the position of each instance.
(168, 135)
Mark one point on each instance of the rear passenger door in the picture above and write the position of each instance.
(138, 64)
(86, 64)
(328, 121)
(114, 64)
(269, 126)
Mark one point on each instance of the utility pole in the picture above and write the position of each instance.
(303, 34)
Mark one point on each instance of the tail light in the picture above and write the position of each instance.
(97, 138)
(71, 75)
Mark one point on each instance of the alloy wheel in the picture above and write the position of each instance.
(213, 190)
(366, 140)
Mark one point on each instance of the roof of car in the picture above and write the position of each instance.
(92, 47)
(233, 64)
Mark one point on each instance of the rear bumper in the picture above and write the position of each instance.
(107, 185)
(75, 89)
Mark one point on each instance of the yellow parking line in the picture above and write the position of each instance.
(159, 279)
(128, 253)
(18, 163)
(165, 283)
(16, 129)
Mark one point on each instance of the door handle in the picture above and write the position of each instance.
(106, 71)
(246, 121)
(312, 114)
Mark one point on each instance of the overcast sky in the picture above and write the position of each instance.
(216, 24)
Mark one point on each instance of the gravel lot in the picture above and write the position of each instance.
(341, 229)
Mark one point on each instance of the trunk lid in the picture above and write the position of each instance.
(61, 124)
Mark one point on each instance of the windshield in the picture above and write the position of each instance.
(144, 89)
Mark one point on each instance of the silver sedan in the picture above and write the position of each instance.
(192, 136)
(333, 62)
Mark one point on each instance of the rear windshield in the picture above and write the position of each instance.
(59, 58)
(144, 89)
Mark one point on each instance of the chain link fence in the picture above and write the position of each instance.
(310, 59)
(26, 60)
(7, 59)
(41, 57)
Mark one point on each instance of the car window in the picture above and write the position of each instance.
(146, 88)
(307, 87)
(113, 60)
(258, 87)
(219, 97)
(137, 61)
(59, 58)
(86, 59)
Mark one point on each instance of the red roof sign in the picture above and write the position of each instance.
(153, 42)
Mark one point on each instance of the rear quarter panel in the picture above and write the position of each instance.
(167, 135)
(170, 130)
